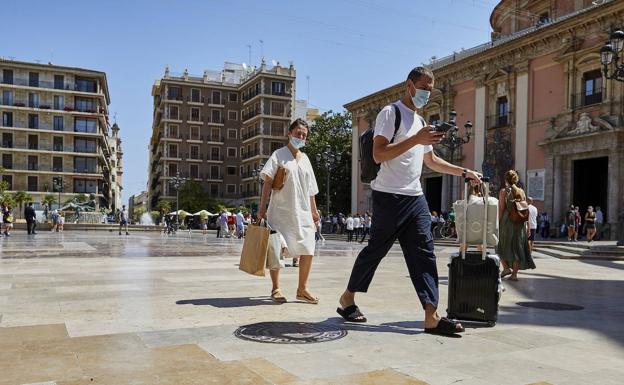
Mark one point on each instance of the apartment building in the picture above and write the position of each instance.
(218, 128)
(55, 129)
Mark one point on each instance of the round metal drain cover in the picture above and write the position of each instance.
(289, 332)
(550, 306)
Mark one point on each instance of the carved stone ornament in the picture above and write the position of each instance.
(501, 89)
(584, 125)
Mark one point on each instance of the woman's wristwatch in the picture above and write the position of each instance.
(464, 173)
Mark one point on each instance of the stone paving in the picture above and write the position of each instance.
(96, 308)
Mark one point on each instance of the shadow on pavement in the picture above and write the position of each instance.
(229, 302)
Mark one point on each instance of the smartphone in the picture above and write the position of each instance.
(443, 127)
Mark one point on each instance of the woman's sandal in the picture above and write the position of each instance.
(445, 327)
(351, 313)
(305, 297)
(505, 273)
(277, 296)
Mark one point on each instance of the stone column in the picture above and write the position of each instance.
(614, 194)
(557, 202)
(355, 167)
(522, 104)
(479, 128)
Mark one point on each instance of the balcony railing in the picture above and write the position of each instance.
(247, 116)
(52, 107)
(218, 101)
(250, 95)
(215, 138)
(251, 133)
(251, 153)
(51, 85)
(216, 158)
(213, 176)
(195, 100)
(583, 99)
(216, 119)
(497, 121)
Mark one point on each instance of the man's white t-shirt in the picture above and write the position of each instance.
(532, 217)
(349, 223)
(356, 222)
(400, 175)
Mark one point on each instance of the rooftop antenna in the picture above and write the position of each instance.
(261, 49)
(308, 79)
(115, 117)
(249, 49)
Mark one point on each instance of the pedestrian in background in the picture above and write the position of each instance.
(349, 226)
(577, 223)
(366, 227)
(31, 218)
(513, 246)
(7, 219)
(570, 222)
(590, 223)
(532, 223)
(123, 219)
(544, 225)
(599, 223)
(357, 222)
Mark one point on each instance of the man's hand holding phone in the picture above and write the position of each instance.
(428, 136)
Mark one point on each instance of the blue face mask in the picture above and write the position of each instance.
(420, 98)
(296, 142)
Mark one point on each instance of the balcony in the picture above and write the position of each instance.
(249, 115)
(213, 176)
(198, 100)
(250, 194)
(214, 158)
(215, 139)
(52, 85)
(584, 99)
(251, 133)
(173, 98)
(216, 102)
(216, 120)
(498, 121)
(251, 154)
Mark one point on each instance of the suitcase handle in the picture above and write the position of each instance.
(486, 198)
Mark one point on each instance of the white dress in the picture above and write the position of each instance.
(289, 210)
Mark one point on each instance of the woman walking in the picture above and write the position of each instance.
(292, 208)
(513, 245)
(590, 223)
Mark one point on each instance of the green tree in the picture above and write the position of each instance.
(81, 198)
(163, 205)
(21, 197)
(155, 215)
(332, 129)
(49, 200)
(193, 197)
(137, 213)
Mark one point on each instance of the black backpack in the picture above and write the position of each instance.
(368, 167)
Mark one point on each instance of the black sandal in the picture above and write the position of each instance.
(351, 313)
(445, 327)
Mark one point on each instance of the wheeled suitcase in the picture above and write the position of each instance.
(474, 276)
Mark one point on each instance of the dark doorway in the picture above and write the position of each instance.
(433, 193)
(591, 184)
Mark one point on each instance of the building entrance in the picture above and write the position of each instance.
(433, 193)
(590, 181)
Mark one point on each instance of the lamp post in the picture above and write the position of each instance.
(258, 178)
(178, 182)
(57, 184)
(611, 56)
(452, 141)
(327, 159)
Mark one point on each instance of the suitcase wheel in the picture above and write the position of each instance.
(491, 324)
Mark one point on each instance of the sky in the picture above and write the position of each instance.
(347, 48)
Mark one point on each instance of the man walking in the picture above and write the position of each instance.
(599, 221)
(31, 218)
(532, 223)
(123, 219)
(366, 222)
(349, 225)
(240, 225)
(570, 220)
(399, 205)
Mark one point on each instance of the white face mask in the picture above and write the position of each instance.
(420, 98)
(297, 143)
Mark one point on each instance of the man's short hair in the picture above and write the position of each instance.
(417, 72)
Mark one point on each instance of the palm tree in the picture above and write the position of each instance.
(49, 200)
(20, 198)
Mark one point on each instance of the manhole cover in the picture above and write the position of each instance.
(550, 305)
(289, 332)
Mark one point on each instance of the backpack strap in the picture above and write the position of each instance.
(397, 120)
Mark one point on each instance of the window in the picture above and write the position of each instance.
(9, 180)
(172, 169)
(592, 88)
(7, 140)
(33, 100)
(216, 97)
(83, 164)
(216, 135)
(215, 153)
(231, 152)
(84, 105)
(58, 123)
(172, 151)
(195, 95)
(7, 161)
(194, 171)
(214, 190)
(233, 96)
(278, 88)
(33, 142)
(85, 186)
(232, 115)
(214, 172)
(33, 162)
(59, 102)
(276, 146)
(543, 18)
(33, 79)
(57, 164)
(57, 143)
(173, 112)
(59, 82)
(194, 133)
(231, 170)
(85, 125)
(195, 114)
(85, 145)
(277, 108)
(195, 152)
(502, 112)
(33, 183)
(86, 85)
(7, 119)
(172, 131)
(7, 98)
(216, 116)
(33, 121)
(277, 128)
(7, 76)
(231, 134)
(174, 93)
(231, 189)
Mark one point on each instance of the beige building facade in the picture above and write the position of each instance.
(218, 128)
(539, 103)
(55, 127)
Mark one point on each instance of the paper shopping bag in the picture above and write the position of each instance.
(253, 256)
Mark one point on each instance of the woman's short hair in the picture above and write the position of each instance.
(298, 122)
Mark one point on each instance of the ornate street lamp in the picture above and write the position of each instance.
(611, 56)
(58, 185)
(452, 141)
(329, 160)
(258, 178)
(178, 182)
